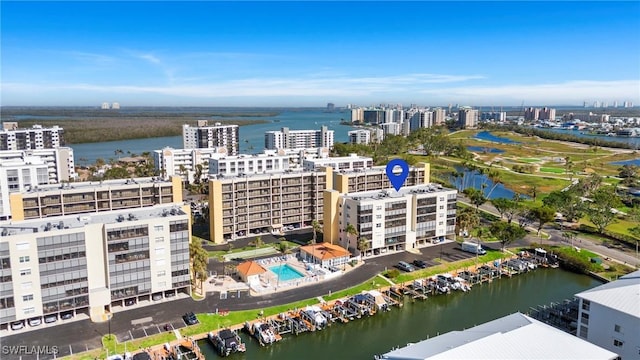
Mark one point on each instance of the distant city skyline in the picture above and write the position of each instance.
(308, 54)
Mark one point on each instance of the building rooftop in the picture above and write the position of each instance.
(249, 268)
(325, 251)
(622, 295)
(515, 336)
(90, 185)
(392, 193)
(9, 228)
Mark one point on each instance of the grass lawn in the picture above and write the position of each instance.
(554, 170)
(529, 160)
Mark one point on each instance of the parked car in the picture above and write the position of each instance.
(35, 321)
(50, 319)
(66, 316)
(404, 266)
(190, 318)
(420, 263)
(129, 302)
(157, 296)
(17, 325)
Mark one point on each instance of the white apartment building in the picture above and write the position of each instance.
(88, 263)
(351, 162)
(360, 136)
(609, 316)
(183, 162)
(439, 116)
(268, 162)
(60, 163)
(204, 136)
(420, 118)
(390, 221)
(357, 115)
(18, 175)
(391, 128)
(36, 137)
(299, 139)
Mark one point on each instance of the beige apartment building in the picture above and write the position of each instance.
(89, 247)
(256, 204)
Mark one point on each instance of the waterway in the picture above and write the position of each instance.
(251, 136)
(474, 179)
(635, 141)
(363, 338)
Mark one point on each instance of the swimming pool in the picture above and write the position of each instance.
(285, 272)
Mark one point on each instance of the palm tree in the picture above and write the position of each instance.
(316, 228)
(363, 244)
(351, 230)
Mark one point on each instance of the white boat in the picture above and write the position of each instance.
(264, 333)
(314, 313)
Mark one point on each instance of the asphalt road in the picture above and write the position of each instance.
(82, 335)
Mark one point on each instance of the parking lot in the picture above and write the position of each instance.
(144, 327)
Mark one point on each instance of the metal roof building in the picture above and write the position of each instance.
(515, 336)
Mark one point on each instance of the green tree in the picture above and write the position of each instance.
(199, 261)
(467, 219)
(258, 242)
(116, 172)
(542, 215)
(363, 244)
(567, 202)
(315, 225)
(502, 205)
(506, 233)
(351, 230)
(600, 209)
(476, 197)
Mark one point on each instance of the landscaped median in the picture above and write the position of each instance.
(212, 321)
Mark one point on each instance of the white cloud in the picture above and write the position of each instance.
(384, 88)
(552, 93)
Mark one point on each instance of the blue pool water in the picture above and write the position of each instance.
(285, 272)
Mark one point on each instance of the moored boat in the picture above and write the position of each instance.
(226, 342)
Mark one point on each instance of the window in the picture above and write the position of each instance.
(24, 259)
(584, 332)
(24, 272)
(28, 311)
(160, 239)
(617, 328)
(586, 304)
(22, 246)
(160, 251)
(378, 225)
(618, 343)
(158, 228)
(585, 318)
(26, 285)
(27, 297)
(161, 273)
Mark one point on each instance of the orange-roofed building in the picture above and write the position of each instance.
(325, 254)
(250, 271)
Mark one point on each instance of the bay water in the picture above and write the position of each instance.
(418, 320)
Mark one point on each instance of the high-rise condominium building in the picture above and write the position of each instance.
(467, 117)
(390, 220)
(216, 136)
(547, 114)
(184, 162)
(86, 247)
(59, 161)
(247, 205)
(36, 137)
(298, 139)
(360, 136)
(439, 116)
(531, 114)
(264, 203)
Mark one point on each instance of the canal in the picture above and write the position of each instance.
(363, 338)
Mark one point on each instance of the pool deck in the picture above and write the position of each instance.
(269, 282)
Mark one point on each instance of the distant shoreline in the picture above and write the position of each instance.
(82, 126)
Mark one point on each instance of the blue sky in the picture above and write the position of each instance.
(310, 53)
